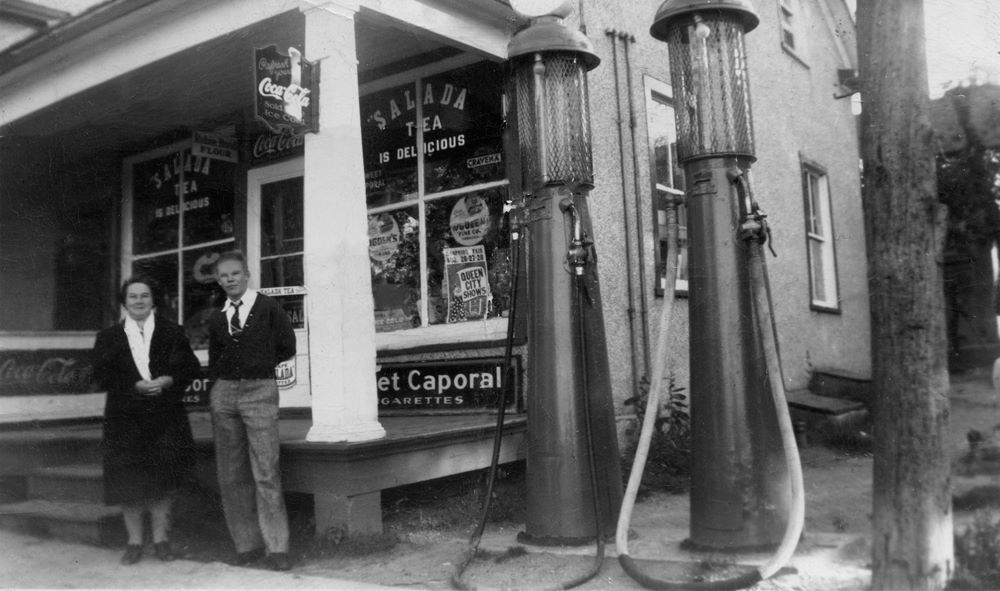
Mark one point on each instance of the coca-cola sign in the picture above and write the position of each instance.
(268, 145)
(284, 90)
(59, 371)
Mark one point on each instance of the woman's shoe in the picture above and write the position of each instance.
(163, 551)
(133, 554)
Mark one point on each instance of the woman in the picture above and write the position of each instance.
(145, 363)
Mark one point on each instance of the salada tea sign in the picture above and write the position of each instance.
(446, 385)
(284, 90)
(453, 121)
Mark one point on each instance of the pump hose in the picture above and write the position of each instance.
(765, 319)
(477, 535)
(470, 552)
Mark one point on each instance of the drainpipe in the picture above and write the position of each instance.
(613, 35)
(626, 39)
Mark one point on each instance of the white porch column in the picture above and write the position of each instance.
(340, 313)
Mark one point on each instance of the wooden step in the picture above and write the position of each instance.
(72, 482)
(806, 400)
(93, 523)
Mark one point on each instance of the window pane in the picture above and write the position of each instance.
(281, 216)
(282, 271)
(163, 270)
(394, 254)
(389, 144)
(468, 264)
(155, 186)
(463, 127)
(817, 265)
(201, 293)
(208, 199)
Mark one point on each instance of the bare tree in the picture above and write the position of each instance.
(905, 231)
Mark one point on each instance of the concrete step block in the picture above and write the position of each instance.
(72, 482)
(92, 523)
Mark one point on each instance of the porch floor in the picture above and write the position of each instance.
(345, 478)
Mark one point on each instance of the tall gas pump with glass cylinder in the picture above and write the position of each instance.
(739, 488)
(567, 373)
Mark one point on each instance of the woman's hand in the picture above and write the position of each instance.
(154, 387)
(148, 387)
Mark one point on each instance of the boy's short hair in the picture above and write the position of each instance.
(233, 255)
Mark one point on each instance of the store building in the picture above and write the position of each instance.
(150, 136)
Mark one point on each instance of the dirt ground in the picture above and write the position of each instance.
(427, 527)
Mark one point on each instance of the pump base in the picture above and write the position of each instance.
(692, 546)
(526, 538)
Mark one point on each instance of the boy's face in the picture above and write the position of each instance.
(233, 278)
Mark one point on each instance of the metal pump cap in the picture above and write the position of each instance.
(671, 9)
(548, 34)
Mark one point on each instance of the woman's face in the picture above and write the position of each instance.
(138, 301)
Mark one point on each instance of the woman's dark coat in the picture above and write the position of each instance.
(148, 447)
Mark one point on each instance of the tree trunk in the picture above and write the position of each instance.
(905, 231)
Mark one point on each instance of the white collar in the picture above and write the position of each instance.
(132, 327)
(248, 299)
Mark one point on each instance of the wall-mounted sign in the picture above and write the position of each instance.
(269, 145)
(210, 145)
(50, 371)
(285, 90)
(445, 385)
(284, 373)
(467, 283)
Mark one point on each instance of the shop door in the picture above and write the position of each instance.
(275, 247)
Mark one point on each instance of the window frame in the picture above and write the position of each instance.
(489, 329)
(256, 177)
(127, 236)
(790, 24)
(653, 89)
(830, 301)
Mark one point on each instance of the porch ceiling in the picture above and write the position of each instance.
(195, 89)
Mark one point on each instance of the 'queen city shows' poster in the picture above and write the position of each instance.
(466, 283)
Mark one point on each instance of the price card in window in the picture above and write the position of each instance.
(467, 283)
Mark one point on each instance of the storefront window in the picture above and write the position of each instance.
(179, 195)
(438, 250)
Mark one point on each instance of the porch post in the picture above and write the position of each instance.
(340, 311)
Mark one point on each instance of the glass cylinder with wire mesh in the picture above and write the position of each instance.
(554, 129)
(709, 73)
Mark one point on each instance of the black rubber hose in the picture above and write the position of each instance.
(477, 536)
(581, 292)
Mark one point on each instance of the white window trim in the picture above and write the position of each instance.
(830, 300)
(255, 178)
(653, 86)
(794, 25)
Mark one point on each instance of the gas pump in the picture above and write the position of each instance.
(746, 489)
(567, 370)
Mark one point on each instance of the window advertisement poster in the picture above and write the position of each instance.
(394, 256)
(473, 219)
(467, 283)
(463, 127)
(389, 143)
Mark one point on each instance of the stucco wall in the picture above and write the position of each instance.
(794, 113)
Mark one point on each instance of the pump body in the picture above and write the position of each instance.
(567, 366)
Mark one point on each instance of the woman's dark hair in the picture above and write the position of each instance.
(152, 284)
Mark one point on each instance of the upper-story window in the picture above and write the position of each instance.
(667, 176)
(436, 185)
(820, 239)
(790, 21)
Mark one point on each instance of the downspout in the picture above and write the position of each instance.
(626, 39)
(613, 35)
